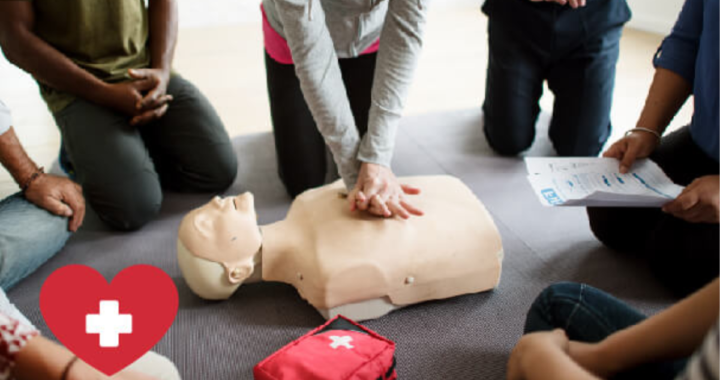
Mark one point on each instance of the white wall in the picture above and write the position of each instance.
(654, 15)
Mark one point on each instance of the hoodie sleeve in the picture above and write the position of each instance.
(317, 68)
(400, 46)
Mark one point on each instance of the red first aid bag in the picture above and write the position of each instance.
(338, 350)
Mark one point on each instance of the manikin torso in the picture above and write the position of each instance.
(348, 262)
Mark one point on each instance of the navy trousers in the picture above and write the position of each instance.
(574, 50)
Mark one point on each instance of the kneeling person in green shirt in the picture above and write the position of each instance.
(129, 126)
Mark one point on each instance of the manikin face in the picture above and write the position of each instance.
(224, 231)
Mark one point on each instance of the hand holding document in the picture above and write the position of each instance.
(594, 181)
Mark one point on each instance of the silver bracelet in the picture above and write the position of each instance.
(647, 130)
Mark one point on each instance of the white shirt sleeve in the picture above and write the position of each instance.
(5, 118)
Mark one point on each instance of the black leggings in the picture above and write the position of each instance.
(683, 255)
(301, 151)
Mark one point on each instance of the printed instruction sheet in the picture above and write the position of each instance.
(595, 181)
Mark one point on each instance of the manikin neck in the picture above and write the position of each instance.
(279, 241)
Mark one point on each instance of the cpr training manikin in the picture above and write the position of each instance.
(344, 262)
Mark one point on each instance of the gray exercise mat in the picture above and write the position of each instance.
(462, 338)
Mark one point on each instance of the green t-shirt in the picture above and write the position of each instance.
(104, 37)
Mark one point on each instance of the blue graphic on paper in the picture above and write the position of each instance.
(607, 182)
(642, 181)
(551, 196)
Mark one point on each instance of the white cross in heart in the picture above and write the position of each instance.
(343, 341)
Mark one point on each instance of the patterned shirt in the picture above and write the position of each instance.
(703, 365)
(13, 337)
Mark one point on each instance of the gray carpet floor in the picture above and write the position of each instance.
(468, 337)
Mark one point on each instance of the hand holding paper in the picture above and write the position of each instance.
(597, 182)
(699, 202)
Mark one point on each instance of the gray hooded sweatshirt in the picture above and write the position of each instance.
(319, 32)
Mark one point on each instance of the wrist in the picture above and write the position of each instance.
(165, 70)
(101, 93)
(647, 132)
(36, 175)
(68, 368)
(538, 355)
(83, 371)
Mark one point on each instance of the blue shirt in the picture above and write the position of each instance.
(691, 50)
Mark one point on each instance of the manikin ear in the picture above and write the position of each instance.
(239, 273)
(204, 224)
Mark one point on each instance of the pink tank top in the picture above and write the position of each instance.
(278, 49)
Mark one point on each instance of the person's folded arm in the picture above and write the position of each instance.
(672, 334)
(543, 356)
(317, 68)
(49, 66)
(25, 49)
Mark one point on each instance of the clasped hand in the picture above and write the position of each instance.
(144, 98)
(538, 350)
(572, 3)
(378, 192)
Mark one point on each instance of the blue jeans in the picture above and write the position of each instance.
(590, 315)
(29, 236)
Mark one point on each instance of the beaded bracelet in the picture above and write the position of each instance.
(32, 178)
(646, 130)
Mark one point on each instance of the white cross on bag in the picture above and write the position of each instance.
(109, 324)
(338, 341)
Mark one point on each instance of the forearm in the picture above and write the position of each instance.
(49, 66)
(14, 158)
(396, 61)
(163, 16)
(41, 359)
(674, 333)
(551, 363)
(667, 94)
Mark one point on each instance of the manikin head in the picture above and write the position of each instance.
(219, 246)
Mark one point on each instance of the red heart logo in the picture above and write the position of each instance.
(109, 326)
